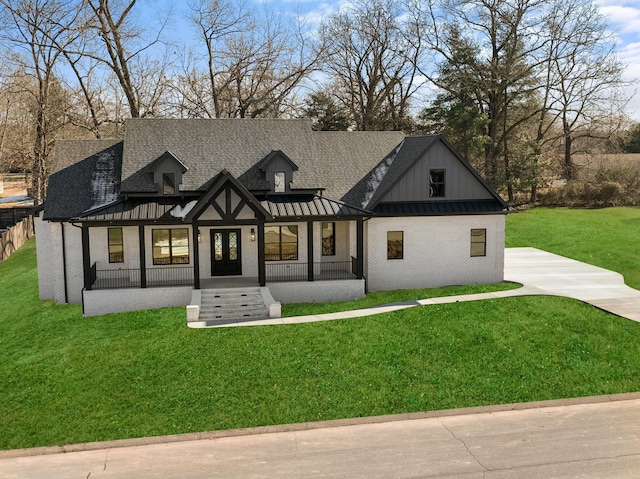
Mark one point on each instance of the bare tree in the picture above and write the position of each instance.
(29, 26)
(373, 62)
(253, 62)
(584, 94)
(121, 47)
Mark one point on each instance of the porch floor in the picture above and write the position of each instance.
(228, 282)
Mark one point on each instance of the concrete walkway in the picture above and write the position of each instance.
(539, 272)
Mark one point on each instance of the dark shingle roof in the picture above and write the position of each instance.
(329, 160)
(357, 168)
(92, 180)
(206, 146)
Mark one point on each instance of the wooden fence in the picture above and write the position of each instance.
(15, 237)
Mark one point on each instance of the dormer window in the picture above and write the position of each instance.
(279, 180)
(168, 184)
(167, 171)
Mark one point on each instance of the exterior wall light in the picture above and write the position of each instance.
(253, 234)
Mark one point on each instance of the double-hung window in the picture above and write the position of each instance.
(170, 246)
(395, 244)
(281, 243)
(116, 245)
(479, 242)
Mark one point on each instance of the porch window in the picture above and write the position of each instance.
(479, 242)
(281, 243)
(395, 244)
(436, 183)
(116, 246)
(328, 239)
(170, 246)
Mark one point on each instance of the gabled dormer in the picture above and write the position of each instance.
(167, 172)
(278, 170)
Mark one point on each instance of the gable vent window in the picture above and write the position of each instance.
(168, 184)
(436, 183)
(479, 242)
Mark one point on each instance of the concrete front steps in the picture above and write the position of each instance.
(213, 307)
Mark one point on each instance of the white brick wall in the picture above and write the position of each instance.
(317, 291)
(105, 301)
(45, 255)
(436, 252)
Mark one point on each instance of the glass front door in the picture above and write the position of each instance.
(225, 253)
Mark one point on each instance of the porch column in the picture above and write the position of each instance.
(143, 257)
(86, 258)
(196, 255)
(359, 248)
(310, 251)
(262, 270)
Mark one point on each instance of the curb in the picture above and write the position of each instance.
(250, 431)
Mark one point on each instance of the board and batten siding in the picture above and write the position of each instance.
(460, 183)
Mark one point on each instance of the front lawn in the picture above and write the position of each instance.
(67, 379)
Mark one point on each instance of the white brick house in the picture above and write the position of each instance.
(179, 206)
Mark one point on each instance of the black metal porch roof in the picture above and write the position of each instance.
(437, 208)
(309, 206)
(170, 210)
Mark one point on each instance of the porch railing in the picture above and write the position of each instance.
(284, 271)
(130, 278)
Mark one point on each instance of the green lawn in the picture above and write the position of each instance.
(607, 237)
(67, 379)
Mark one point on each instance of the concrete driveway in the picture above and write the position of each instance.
(556, 275)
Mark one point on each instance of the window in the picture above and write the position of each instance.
(479, 242)
(171, 246)
(168, 184)
(328, 239)
(395, 244)
(116, 246)
(279, 182)
(436, 183)
(281, 243)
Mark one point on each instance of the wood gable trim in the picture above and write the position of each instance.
(224, 183)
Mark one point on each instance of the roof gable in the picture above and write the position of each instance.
(407, 176)
(227, 197)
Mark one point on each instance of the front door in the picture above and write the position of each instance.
(225, 253)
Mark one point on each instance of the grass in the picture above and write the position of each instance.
(67, 379)
(606, 237)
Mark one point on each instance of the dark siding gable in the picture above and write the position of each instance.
(460, 183)
(407, 180)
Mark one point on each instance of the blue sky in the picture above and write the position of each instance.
(624, 18)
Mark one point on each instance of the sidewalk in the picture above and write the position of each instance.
(576, 438)
(539, 272)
